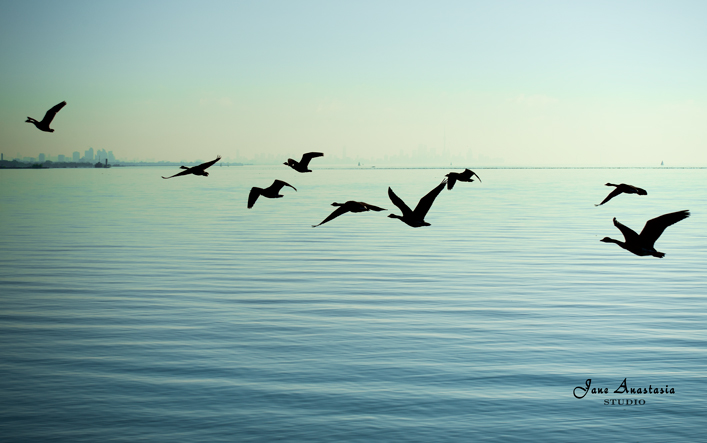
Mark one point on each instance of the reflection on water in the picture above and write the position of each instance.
(136, 308)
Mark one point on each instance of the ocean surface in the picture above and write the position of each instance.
(137, 309)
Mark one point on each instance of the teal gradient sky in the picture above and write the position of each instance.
(616, 83)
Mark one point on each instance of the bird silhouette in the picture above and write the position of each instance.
(302, 165)
(196, 170)
(460, 176)
(642, 244)
(622, 188)
(415, 218)
(48, 117)
(349, 206)
(272, 191)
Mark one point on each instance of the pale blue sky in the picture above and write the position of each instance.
(535, 83)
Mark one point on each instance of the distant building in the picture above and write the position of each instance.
(111, 157)
(61, 158)
(102, 155)
(88, 155)
(42, 158)
(76, 156)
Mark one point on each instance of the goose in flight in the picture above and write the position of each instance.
(461, 176)
(196, 170)
(349, 206)
(642, 244)
(272, 191)
(415, 218)
(48, 117)
(622, 188)
(302, 165)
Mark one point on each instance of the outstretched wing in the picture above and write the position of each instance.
(655, 227)
(49, 116)
(337, 212)
(630, 235)
(278, 184)
(425, 202)
(203, 166)
(308, 156)
(253, 196)
(638, 190)
(452, 179)
(371, 207)
(613, 194)
(186, 171)
(472, 173)
(407, 212)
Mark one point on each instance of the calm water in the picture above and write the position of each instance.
(139, 309)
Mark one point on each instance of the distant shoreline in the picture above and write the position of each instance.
(16, 164)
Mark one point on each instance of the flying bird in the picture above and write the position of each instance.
(48, 117)
(272, 191)
(196, 170)
(415, 218)
(349, 206)
(302, 165)
(622, 188)
(642, 244)
(461, 176)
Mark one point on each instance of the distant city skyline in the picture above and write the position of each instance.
(421, 155)
(546, 83)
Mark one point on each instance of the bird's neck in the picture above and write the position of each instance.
(618, 242)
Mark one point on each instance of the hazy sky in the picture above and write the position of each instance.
(595, 83)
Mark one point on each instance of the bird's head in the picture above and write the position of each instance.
(394, 216)
(206, 174)
(608, 240)
(50, 130)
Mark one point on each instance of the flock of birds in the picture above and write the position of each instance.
(639, 244)
(411, 217)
